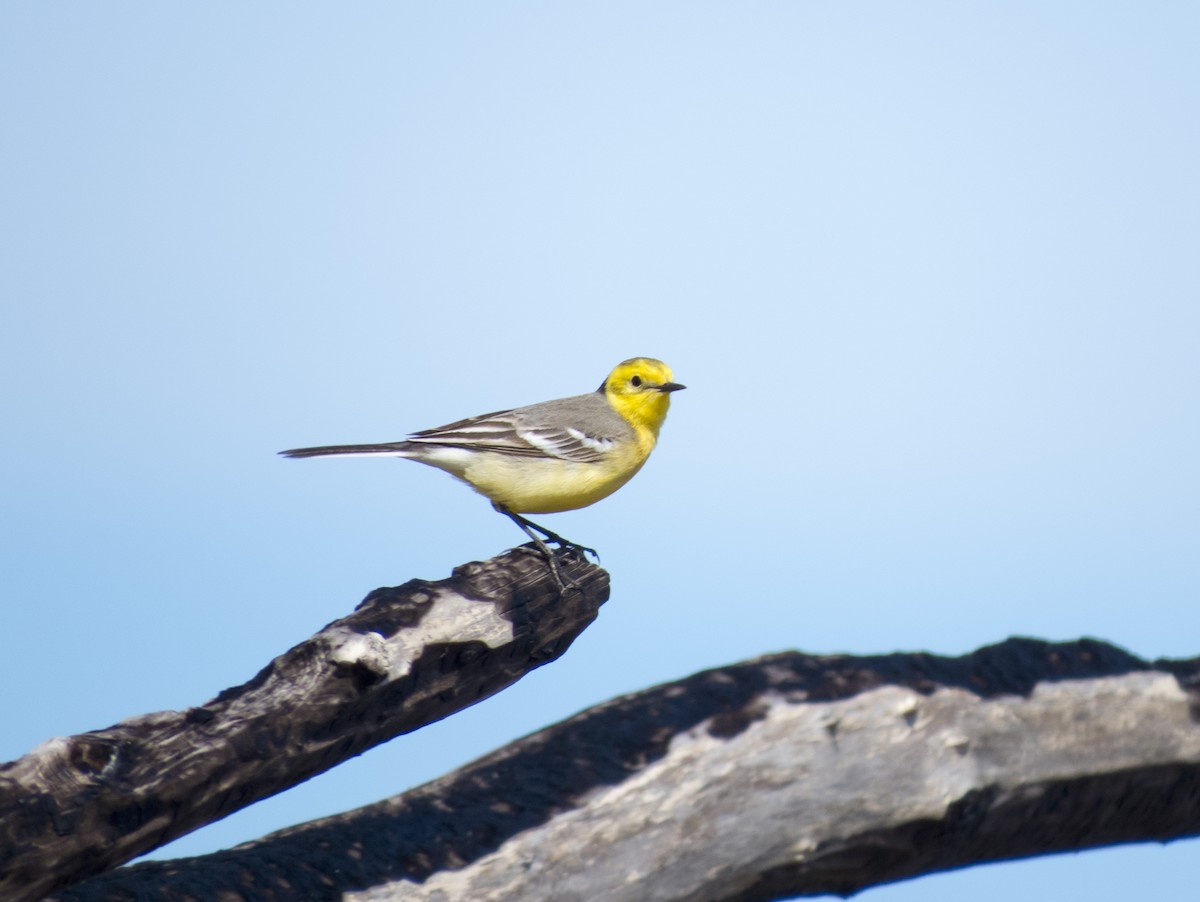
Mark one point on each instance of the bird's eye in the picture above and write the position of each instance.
(635, 381)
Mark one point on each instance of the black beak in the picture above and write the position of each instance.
(671, 386)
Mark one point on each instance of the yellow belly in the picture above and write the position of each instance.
(528, 485)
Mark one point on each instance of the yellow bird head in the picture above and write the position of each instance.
(640, 390)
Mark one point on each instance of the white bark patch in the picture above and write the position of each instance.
(451, 618)
(352, 649)
(716, 811)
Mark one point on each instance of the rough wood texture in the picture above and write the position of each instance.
(787, 775)
(407, 656)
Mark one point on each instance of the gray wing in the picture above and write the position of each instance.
(581, 429)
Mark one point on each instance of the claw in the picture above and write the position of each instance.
(566, 545)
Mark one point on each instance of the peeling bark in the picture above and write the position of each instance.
(408, 656)
(787, 775)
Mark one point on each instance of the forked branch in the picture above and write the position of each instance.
(787, 775)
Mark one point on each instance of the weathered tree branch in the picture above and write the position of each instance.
(407, 656)
(787, 775)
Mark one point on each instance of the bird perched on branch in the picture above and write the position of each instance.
(555, 456)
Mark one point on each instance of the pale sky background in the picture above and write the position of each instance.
(930, 272)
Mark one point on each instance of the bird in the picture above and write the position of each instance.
(546, 458)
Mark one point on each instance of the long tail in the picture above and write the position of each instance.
(396, 449)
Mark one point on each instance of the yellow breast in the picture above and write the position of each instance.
(538, 485)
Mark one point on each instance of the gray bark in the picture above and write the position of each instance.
(410, 655)
(787, 775)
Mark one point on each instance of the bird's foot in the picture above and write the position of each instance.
(570, 547)
(532, 529)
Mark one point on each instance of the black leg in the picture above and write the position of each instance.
(528, 527)
(554, 537)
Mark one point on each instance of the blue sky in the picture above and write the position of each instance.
(929, 271)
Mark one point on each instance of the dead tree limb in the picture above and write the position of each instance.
(407, 656)
(786, 775)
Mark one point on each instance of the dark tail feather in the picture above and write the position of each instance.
(332, 450)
